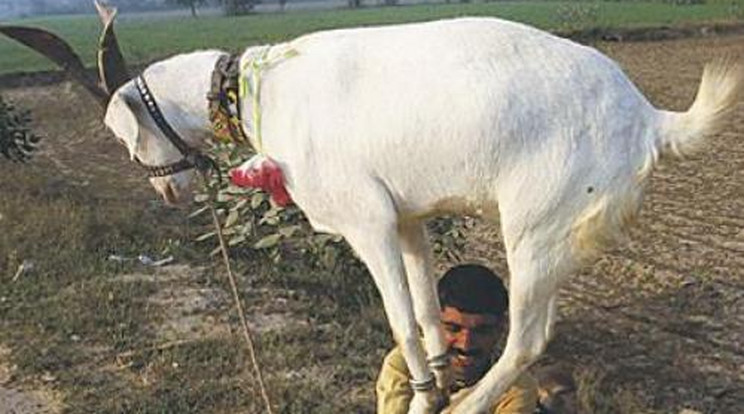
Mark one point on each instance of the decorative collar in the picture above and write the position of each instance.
(224, 101)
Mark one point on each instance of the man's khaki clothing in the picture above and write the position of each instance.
(394, 392)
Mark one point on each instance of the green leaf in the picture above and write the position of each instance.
(271, 221)
(240, 204)
(232, 218)
(273, 212)
(257, 199)
(289, 231)
(205, 236)
(236, 240)
(224, 197)
(199, 211)
(268, 241)
(246, 228)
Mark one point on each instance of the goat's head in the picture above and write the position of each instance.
(126, 115)
(128, 119)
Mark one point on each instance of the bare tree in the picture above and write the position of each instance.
(193, 4)
(236, 7)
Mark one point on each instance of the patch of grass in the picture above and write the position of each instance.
(149, 39)
(596, 395)
(204, 376)
(330, 366)
(70, 321)
(64, 316)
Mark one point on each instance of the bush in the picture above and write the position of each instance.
(17, 141)
(252, 221)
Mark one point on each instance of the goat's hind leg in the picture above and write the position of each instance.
(423, 286)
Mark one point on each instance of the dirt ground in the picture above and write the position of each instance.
(663, 316)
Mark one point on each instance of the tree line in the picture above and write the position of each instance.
(24, 8)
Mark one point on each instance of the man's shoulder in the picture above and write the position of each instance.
(521, 397)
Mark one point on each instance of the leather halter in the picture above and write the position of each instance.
(192, 158)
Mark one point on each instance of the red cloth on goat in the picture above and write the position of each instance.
(265, 174)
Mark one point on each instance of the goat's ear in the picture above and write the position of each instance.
(121, 119)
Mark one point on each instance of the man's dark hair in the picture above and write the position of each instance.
(473, 288)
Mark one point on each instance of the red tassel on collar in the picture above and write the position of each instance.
(263, 173)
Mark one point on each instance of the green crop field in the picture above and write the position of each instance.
(144, 40)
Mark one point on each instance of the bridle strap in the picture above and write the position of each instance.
(164, 170)
(157, 116)
(191, 157)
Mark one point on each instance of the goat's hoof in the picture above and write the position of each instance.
(428, 402)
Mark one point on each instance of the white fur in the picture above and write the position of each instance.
(377, 129)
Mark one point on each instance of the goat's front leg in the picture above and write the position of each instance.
(423, 286)
(375, 239)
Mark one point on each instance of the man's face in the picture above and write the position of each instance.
(471, 339)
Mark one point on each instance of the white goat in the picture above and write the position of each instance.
(377, 129)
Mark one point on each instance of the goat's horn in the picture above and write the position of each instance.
(59, 52)
(111, 65)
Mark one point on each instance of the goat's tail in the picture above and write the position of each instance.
(684, 132)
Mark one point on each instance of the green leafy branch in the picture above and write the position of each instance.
(252, 221)
(17, 141)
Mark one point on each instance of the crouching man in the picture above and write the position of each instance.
(474, 304)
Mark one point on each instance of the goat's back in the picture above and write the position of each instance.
(453, 115)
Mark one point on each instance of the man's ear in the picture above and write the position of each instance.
(121, 119)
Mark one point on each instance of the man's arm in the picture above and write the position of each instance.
(394, 392)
